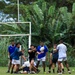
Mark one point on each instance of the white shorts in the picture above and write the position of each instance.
(15, 61)
(62, 59)
(42, 59)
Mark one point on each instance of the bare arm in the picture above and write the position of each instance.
(46, 55)
(24, 57)
(50, 55)
(30, 51)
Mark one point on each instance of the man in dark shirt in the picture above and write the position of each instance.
(53, 58)
(32, 52)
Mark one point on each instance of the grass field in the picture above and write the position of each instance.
(4, 69)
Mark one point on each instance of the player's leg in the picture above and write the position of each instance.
(53, 67)
(17, 68)
(9, 66)
(59, 65)
(62, 67)
(17, 62)
(67, 65)
(32, 66)
(38, 62)
(43, 63)
(50, 65)
(12, 67)
(54, 64)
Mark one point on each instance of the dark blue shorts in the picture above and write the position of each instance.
(26, 69)
(54, 60)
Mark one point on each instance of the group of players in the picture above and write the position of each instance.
(57, 55)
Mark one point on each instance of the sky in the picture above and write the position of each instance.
(4, 17)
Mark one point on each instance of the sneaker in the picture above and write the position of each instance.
(8, 71)
(60, 73)
(11, 72)
(49, 71)
(38, 71)
(69, 72)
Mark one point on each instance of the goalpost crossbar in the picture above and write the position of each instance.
(29, 35)
(15, 35)
(14, 22)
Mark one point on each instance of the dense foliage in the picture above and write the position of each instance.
(51, 20)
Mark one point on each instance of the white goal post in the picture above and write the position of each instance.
(29, 34)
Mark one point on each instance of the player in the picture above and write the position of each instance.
(53, 58)
(26, 68)
(42, 52)
(15, 58)
(62, 56)
(32, 52)
(11, 49)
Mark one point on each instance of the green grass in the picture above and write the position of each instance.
(4, 69)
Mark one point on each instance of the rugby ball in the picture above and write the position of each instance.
(42, 49)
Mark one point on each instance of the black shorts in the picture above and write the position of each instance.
(54, 60)
(26, 69)
(31, 59)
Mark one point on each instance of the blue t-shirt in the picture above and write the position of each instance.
(15, 55)
(11, 49)
(44, 52)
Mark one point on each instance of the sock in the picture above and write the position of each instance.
(53, 70)
(63, 70)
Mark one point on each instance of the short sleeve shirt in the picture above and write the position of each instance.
(16, 54)
(42, 54)
(62, 50)
(11, 49)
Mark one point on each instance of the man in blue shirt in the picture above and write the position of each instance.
(11, 49)
(15, 57)
(42, 52)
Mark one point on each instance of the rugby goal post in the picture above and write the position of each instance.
(29, 34)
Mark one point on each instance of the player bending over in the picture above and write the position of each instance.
(26, 67)
(15, 58)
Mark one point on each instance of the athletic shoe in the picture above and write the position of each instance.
(49, 71)
(60, 73)
(69, 72)
(38, 71)
(8, 71)
(11, 72)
